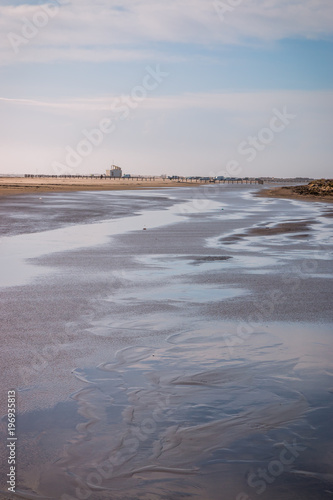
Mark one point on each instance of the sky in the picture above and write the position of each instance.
(239, 88)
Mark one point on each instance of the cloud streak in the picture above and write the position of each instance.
(193, 122)
(230, 101)
(103, 31)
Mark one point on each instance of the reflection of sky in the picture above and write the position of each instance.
(210, 399)
(217, 389)
(181, 293)
(16, 250)
(319, 234)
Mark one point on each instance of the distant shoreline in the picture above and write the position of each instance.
(23, 185)
(290, 193)
(26, 185)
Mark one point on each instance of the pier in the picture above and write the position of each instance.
(194, 180)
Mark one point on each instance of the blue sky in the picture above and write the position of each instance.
(186, 87)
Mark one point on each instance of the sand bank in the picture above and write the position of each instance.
(18, 185)
(289, 192)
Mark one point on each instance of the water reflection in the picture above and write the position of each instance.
(162, 421)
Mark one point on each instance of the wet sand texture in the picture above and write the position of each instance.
(173, 362)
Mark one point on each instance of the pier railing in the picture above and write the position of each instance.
(132, 178)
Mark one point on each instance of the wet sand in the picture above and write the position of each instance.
(18, 185)
(191, 359)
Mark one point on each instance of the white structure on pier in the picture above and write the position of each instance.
(114, 172)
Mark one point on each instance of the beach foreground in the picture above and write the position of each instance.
(168, 344)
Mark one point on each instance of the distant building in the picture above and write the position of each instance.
(114, 172)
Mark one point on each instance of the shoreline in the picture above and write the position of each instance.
(288, 192)
(23, 185)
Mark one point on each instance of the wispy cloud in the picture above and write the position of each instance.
(104, 30)
(195, 120)
(230, 101)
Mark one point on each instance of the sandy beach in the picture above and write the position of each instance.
(167, 343)
(21, 185)
(17, 185)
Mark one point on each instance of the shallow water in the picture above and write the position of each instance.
(172, 362)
